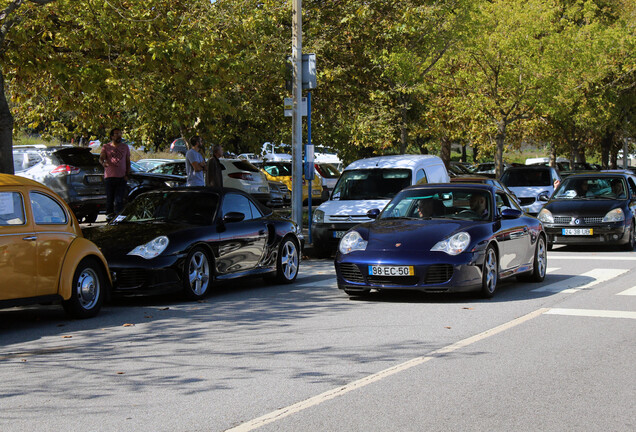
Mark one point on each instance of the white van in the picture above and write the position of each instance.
(367, 184)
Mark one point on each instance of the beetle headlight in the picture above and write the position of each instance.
(615, 215)
(453, 245)
(545, 215)
(151, 249)
(352, 241)
(318, 216)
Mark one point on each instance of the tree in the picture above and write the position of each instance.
(9, 18)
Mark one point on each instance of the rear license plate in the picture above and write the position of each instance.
(378, 270)
(94, 179)
(339, 234)
(577, 231)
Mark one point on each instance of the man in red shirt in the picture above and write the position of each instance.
(115, 157)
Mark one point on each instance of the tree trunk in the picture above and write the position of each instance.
(475, 153)
(445, 151)
(606, 145)
(403, 130)
(553, 155)
(464, 157)
(6, 132)
(500, 139)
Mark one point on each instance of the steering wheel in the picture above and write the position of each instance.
(467, 213)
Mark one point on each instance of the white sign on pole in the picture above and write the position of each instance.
(289, 106)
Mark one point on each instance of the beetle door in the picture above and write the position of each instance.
(54, 236)
(241, 244)
(18, 267)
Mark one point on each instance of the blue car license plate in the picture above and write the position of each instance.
(381, 270)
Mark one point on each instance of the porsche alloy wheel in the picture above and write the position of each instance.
(287, 262)
(196, 279)
(490, 273)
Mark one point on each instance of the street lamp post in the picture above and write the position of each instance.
(297, 151)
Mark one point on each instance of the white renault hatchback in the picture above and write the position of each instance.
(369, 184)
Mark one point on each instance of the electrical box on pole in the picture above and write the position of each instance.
(308, 70)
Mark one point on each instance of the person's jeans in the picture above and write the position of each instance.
(116, 190)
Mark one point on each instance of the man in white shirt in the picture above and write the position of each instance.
(195, 163)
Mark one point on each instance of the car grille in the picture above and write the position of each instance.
(526, 201)
(351, 273)
(347, 218)
(393, 280)
(568, 219)
(438, 273)
(130, 278)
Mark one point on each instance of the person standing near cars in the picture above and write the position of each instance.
(195, 163)
(115, 158)
(215, 168)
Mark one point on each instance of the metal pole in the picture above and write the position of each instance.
(309, 166)
(297, 90)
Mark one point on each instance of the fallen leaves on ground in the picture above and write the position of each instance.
(129, 325)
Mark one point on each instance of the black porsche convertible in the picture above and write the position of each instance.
(186, 238)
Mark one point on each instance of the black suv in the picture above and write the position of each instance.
(74, 173)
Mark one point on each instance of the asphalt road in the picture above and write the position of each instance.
(553, 356)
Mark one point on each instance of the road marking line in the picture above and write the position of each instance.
(593, 313)
(594, 257)
(577, 283)
(629, 292)
(331, 394)
(552, 269)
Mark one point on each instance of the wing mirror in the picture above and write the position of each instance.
(510, 213)
(544, 197)
(373, 213)
(233, 217)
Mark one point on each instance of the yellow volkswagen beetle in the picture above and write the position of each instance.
(43, 255)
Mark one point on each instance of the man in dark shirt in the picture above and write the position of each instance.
(215, 168)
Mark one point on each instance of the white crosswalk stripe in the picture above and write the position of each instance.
(628, 292)
(592, 313)
(586, 280)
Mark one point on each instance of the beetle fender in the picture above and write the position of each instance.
(79, 249)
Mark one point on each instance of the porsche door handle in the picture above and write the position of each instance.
(30, 238)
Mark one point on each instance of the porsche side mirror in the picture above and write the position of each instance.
(373, 213)
(233, 217)
(510, 213)
(544, 198)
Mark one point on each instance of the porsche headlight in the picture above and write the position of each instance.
(352, 241)
(453, 245)
(318, 216)
(545, 215)
(615, 215)
(151, 249)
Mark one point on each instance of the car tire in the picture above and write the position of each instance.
(629, 246)
(540, 265)
(88, 290)
(197, 274)
(287, 261)
(490, 273)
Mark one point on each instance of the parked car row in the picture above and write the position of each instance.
(394, 222)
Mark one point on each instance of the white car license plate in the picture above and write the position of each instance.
(379, 270)
(94, 179)
(577, 231)
(339, 234)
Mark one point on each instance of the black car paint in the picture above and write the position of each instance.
(246, 248)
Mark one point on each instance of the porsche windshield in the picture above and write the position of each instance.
(461, 204)
(195, 208)
(590, 188)
(365, 184)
